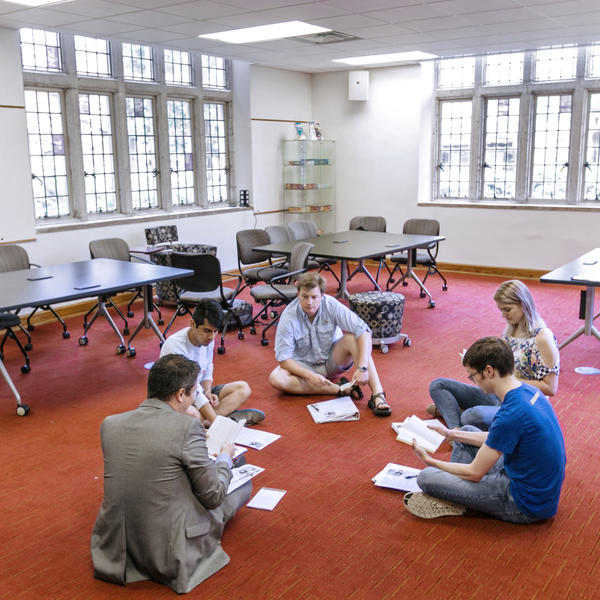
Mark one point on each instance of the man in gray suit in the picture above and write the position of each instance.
(165, 501)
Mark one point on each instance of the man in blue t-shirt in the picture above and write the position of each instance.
(515, 471)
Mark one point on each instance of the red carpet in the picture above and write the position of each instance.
(334, 535)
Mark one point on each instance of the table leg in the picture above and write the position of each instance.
(147, 321)
(101, 310)
(361, 268)
(342, 291)
(588, 327)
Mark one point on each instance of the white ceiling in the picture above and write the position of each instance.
(442, 27)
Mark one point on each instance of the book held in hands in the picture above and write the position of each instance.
(413, 428)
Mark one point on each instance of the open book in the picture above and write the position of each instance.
(337, 409)
(413, 428)
(222, 430)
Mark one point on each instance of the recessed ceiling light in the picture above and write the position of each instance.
(38, 2)
(376, 59)
(263, 33)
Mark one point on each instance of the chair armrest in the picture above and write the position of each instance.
(237, 287)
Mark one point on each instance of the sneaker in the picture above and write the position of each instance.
(252, 415)
(428, 507)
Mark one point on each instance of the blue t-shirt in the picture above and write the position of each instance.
(526, 430)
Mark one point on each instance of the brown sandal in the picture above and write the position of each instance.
(379, 405)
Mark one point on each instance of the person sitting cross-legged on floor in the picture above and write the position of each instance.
(196, 342)
(515, 471)
(312, 349)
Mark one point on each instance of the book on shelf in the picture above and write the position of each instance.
(337, 409)
(413, 428)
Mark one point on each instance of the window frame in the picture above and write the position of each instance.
(580, 88)
(69, 85)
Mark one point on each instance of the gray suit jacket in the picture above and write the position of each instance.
(165, 502)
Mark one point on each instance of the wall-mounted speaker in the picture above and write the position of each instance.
(358, 85)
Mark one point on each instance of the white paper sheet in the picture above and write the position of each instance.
(255, 438)
(266, 498)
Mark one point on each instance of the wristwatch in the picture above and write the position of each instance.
(363, 369)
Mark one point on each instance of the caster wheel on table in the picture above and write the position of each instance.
(405, 283)
(120, 349)
(22, 410)
(161, 322)
(432, 304)
(264, 342)
(421, 294)
(83, 341)
(126, 331)
(130, 313)
(25, 369)
(221, 350)
(66, 335)
(131, 352)
(407, 342)
(445, 288)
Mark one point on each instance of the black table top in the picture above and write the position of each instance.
(586, 269)
(356, 244)
(71, 281)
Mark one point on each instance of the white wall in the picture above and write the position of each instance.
(384, 168)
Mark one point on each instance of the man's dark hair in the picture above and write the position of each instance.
(171, 373)
(490, 351)
(209, 310)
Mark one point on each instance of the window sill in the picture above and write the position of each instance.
(512, 205)
(69, 224)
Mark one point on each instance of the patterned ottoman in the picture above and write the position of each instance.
(382, 312)
(164, 289)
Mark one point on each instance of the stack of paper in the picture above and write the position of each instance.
(254, 438)
(338, 409)
(221, 430)
(266, 498)
(413, 428)
(239, 476)
(398, 477)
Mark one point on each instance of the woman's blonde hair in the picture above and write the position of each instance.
(516, 292)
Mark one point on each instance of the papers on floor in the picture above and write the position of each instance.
(239, 476)
(398, 477)
(266, 498)
(413, 428)
(254, 438)
(338, 409)
(221, 431)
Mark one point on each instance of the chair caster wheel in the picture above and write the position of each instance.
(131, 352)
(407, 342)
(253, 330)
(25, 369)
(405, 283)
(126, 331)
(120, 349)
(27, 347)
(421, 294)
(130, 313)
(30, 327)
(384, 349)
(445, 288)
(66, 335)
(264, 342)
(83, 341)
(221, 350)
(161, 322)
(264, 316)
(432, 304)
(274, 314)
(241, 335)
(22, 410)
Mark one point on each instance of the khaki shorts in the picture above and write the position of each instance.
(329, 368)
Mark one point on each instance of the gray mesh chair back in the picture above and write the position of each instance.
(278, 233)
(246, 240)
(205, 284)
(368, 223)
(280, 290)
(302, 230)
(114, 248)
(13, 258)
(421, 227)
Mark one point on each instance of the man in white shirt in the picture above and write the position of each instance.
(319, 338)
(196, 342)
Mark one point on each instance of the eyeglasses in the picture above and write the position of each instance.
(471, 376)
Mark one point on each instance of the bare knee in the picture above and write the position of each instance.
(277, 378)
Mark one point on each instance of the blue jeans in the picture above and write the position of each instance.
(490, 495)
(452, 397)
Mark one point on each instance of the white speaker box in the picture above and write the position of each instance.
(358, 85)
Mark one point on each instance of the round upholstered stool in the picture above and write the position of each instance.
(382, 312)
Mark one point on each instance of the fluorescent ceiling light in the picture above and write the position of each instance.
(263, 33)
(376, 59)
(38, 2)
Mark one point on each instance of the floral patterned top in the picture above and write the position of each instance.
(528, 361)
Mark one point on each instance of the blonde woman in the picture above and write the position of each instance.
(536, 356)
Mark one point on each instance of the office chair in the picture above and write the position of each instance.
(7, 321)
(368, 224)
(246, 240)
(205, 284)
(425, 257)
(302, 230)
(277, 292)
(15, 258)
